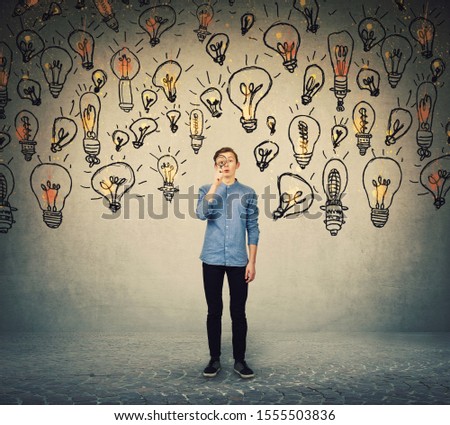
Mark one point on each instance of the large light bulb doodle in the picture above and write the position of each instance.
(82, 43)
(105, 9)
(313, 80)
(166, 78)
(334, 182)
(310, 10)
(304, 132)
(149, 98)
(295, 196)
(5, 140)
(426, 100)
(29, 89)
(247, 21)
(371, 32)
(196, 124)
(435, 177)
(173, 116)
(30, 44)
(125, 66)
(246, 88)
(51, 184)
(157, 20)
(27, 127)
(437, 67)
(168, 168)
(400, 121)
(212, 99)
(90, 108)
(363, 121)
(64, 131)
(5, 72)
(56, 64)
(112, 181)
(142, 128)
(396, 52)
(217, 47)
(120, 139)
(422, 30)
(369, 79)
(99, 78)
(265, 153)
(205, 14)
(382, 178)
(340, 47)
(6, 189)
(285, 40)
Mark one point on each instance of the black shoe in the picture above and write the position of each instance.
(242, 369)
(212, 369)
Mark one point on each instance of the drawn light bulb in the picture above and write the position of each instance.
(105, 9)
(310, 10)
(5, 72)
(166, 78)
(90, 107)
(422, 30)
(149, 98)
(435, 177)
(312, 83)
(382, 178)
(6, 189)
(173, 116)
(371, 32)
(112, 181)
(120, 139)
(295, 196)
(304, 132)
(125, 66)
(334, 182)
(56, 64)
(51, 184)
(285, 40)
(212, 99)
(168, 168)
(437, 67)
(246, 88)
(271, 124)
(399, 123)
(340, 47)
(53, 10)
(369, 79)
(338, 133)
(265, 153)
(23, 6)
(363, 121)
(217, 47)
(204, 13)
(30, 90)
(157, 20)
(30, 44)
(99, 79)
(141, 129)
(396, 52)
(426, 99)
(63, 132)
(82, 43)
(27, 127)
(196, 122)
(5, 140)
(247, 21)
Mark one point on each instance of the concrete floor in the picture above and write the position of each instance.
(165, 368)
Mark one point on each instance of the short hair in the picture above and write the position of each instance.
(224, 150)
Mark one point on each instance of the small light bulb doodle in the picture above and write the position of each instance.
(168, 168)
(295, 196)
(173, 116)
(217, 47)
(382, 178)
(205, 14)
(338, 133)
(149, 98)
(369, 79)
(422, 30)
(23, 6)
(265, 153)
(27, 127)
(56, 63)
(196, 121)
(313, 81)
(99, 79)
(426, 100)
(64, 131)
(247, 21)
(400, 121)
(82, 43)
(157, 20)
(310, 10)
(5, 72)
(112, 181)
(105, 9)
(51, 184)
(396, 52)
(5, 140)
(90, 108)
(437, 67)
(304, 132)
(6, 189)
(363, 120)
(30, 44)
(166, 78)
(435, 177)
(271, 123)
(142, 128)
(120, 139)
(212, 99)
(334, 182)
(372, 32)
(53, 10)
(30, 90)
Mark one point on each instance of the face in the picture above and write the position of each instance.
(227, 164)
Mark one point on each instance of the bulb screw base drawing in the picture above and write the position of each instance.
(6, 217)
(363, 142)
(290, 65)
(28, 149)
(249, 125)
(55, 89)
(424, 140)
(379, 216)
(52, 219)
(303, 159)
(393, 79)
(3, 102)
(111, 22)
(196, 143)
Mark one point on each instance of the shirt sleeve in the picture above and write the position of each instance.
(252, 219)
(204, 208)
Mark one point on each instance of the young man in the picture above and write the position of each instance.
(232, 212)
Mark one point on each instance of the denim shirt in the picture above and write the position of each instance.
(231, 213)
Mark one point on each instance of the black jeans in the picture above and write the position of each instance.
(213, 283)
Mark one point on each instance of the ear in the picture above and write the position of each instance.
(237, 165)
